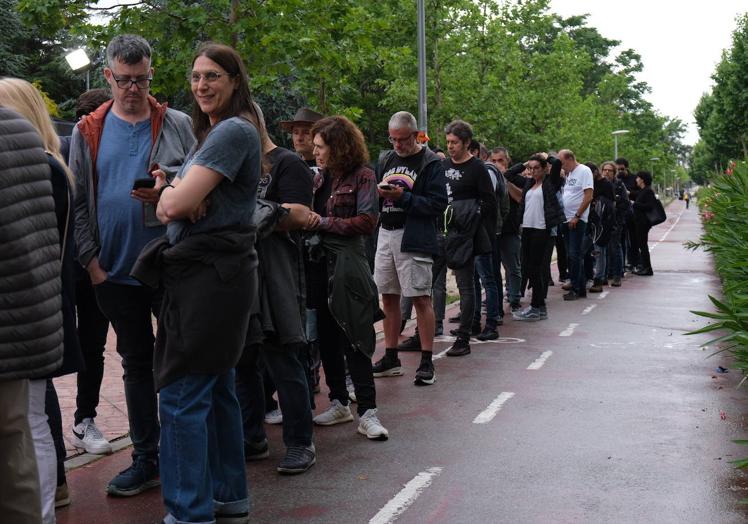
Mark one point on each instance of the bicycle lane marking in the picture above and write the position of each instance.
(407, 496)
(493, 408)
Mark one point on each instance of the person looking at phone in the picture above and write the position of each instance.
(120, 142)
(413, 195)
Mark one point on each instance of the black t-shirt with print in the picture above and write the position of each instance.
(289, 181)
(400, 172)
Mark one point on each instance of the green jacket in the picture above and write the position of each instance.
(353, 298)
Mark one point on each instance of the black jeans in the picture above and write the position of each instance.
(54, 419)
(632, 244)
(129, 309)
(335, 351)
(465, 277)
(561, 260)
(92, 331)
(535, 243)
(287, 371)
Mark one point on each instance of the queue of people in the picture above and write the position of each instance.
(257, 263)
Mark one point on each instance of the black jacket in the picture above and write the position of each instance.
(466, 236)
(645, 201)
(210, 289)
(424, 205)
(31, 336)
(554, 214)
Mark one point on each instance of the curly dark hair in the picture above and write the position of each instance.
(346, 141)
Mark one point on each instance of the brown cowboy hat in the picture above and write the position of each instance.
(302, 116)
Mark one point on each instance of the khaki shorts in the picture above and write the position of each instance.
(398, 273)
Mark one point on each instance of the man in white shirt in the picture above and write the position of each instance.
(577, 196)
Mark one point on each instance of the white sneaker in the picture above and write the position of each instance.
(337, 413)
(369, 425)
(87, 436)
(274, 417)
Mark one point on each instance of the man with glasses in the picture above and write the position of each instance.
(113, 152)
(413, 196)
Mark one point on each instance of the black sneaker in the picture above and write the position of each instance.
(488, 334)
(454, 320)
(460, 348)
(425, 374)
(298, 459)
(571, 295)
(410, 344)
(142, 475)
(385, 367)
(515, 306)
(475, 329)
(256, 450)
(500, 320)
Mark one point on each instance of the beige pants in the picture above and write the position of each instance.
(20, 501)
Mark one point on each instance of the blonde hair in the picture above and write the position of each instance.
(26, 100)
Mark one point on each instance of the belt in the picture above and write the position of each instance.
(391, 228)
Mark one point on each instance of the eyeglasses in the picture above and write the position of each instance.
(142, 82)
(209, 77)
(609, 169)
(534, 168)
(394, 140)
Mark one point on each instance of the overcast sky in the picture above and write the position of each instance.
(680, 42)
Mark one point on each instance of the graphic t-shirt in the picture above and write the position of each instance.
(401, 172)
(289, 180)
(576, 182)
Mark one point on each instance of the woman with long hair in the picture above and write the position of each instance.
(49, 446)
(541, 212)
(345, 213)
(208, 272)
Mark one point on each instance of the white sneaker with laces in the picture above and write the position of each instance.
(337, 413)
(87, 436)
(274, 417)
(369, 425)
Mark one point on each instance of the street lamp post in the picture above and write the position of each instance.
(615, 141)
(422, 109)
(78, 61)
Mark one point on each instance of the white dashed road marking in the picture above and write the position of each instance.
(568, 331)
(440, 355)
(410, 492)
(489, 413)
(589, 308)
(540, 360)
(603, 295)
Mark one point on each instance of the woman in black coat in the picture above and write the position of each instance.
(644, 203)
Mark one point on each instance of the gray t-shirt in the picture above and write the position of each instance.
(232, 148)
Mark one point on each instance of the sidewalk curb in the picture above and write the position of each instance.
(86, 458)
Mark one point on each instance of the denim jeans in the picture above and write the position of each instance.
(286, 369)
(92, 332)
(574, 251)
(129, 310)
(484, 275)
(601, 262)
(202, 455)
(496, 259)
(509, 245)
(615, 253)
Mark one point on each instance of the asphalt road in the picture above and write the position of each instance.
(605, 412)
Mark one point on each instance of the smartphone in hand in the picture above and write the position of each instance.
(144, 183)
